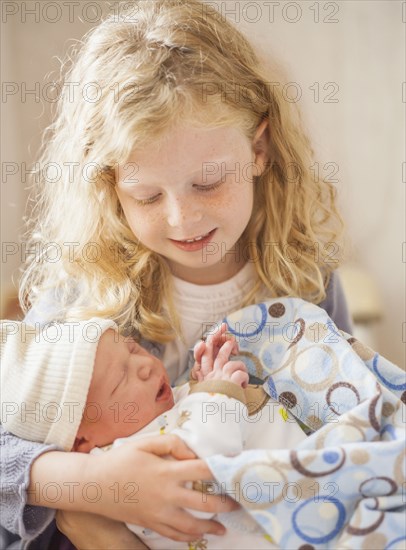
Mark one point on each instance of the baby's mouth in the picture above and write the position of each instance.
(161, 390)
(164, 392)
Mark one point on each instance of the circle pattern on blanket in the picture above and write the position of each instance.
(391, 384)
(362, 531)
(292, 342)
(259, 316)
(393, 544)
(317, 332)
(374, 540)
(373, 418)
(331, 457)
(288, 399)
(298, 466)
(362, 350)
(300, 326)
(379, 485)
(359, 456)
(324, 367)
(339, 431)
(387, 409)
(272, 356)
(292, 393)
(342, 396)
(346, 365)
(310, 508)
(250, 474)
(277, 310)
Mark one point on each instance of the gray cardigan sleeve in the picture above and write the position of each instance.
(335, 304)
(16, 458)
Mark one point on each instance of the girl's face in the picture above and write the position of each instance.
(190, 198)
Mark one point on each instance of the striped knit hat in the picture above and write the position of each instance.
(45, 377)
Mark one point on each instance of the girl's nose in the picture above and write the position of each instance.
(182, 212)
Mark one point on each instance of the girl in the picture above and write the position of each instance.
(183, 191)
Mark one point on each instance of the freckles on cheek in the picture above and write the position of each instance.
(148, 225)
(238, 195)
(154, 217)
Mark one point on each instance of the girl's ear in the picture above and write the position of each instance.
(260, 146)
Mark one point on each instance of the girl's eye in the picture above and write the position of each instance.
(155, 198)
(211, 187)
(145, 202)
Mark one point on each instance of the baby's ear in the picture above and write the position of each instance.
(82, 445)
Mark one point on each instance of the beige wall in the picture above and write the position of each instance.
(361, 55)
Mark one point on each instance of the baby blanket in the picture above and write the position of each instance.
(344, 486)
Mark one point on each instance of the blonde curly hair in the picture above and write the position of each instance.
(172, 61)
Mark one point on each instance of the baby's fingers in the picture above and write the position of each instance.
(233, 366)
(207, 358)
(198, 351)
(240, 377)
(224, 354)
(218, 336)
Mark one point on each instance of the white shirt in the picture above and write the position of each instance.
(200, 306)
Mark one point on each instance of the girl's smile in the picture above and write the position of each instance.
(195, 243)
(194, 189)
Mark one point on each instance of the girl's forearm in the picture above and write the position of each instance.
(63, 481)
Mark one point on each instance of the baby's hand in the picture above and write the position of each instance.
(206, 352)
(223, 368)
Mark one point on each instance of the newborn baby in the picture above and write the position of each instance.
(116, 388)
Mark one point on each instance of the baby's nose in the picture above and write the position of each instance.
(144, 371)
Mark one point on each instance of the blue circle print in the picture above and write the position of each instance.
(393, 542)
(330, 457)
(325, 538)
(263, 311)
(380, 376)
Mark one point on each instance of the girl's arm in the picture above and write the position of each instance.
(127, 483)
(114, 534)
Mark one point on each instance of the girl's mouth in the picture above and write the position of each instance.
(195, 243)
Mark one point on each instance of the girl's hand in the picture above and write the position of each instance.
(132, 484)
(89, 531)
(138, 486)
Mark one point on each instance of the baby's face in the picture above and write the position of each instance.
(129, 388)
